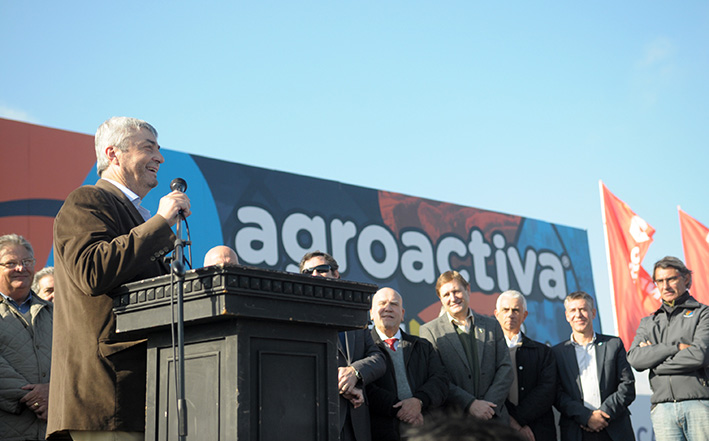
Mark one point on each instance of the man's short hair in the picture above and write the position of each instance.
(317, 253)
(456, 426)
(113, 132)
(450, 276)
(673, 262)
(579, 295)
(41, 274)
(511, 294)
(15, 239)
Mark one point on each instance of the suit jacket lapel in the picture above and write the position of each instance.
(343, 351)
(479, 335)
(405, 345)
(451, 336)
(600, 360)
(572, 367)
(105, 185)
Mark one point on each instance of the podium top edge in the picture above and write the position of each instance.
(242, 270)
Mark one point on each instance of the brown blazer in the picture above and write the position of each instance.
(98, 376)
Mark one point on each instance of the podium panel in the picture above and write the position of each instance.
(260, 352)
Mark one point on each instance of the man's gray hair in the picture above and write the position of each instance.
(15, 239)
(673, 262)
(511, 294)
(41, 274)
(580, 295)
(113, 132)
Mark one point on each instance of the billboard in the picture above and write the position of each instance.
(272, 218)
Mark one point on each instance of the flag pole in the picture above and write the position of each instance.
(608, 256)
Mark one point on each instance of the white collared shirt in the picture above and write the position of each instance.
(588, 373)
(514, 341)
(469, 321)
(383, 336)
(132, 197)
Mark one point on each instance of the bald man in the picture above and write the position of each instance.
(415, 380)
(221, 255)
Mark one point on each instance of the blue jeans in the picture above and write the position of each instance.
(681, 421)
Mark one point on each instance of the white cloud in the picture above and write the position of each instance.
(656, 71)
(17, 115)
(657, 53)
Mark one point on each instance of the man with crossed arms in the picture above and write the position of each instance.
(673, 342)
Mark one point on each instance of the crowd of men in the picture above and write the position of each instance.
(465, 368)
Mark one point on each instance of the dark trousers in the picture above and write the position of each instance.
(596, 436)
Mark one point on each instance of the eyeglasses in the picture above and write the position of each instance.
(320, 268)
(27, 263)
(667, 281)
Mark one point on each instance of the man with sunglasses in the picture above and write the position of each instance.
(359, 360)
(25, 344)
(673, 342)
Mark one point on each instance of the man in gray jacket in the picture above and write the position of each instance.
(673, 342)
(473, 351)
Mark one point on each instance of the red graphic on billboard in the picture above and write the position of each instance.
(40, 167)
(400, 212)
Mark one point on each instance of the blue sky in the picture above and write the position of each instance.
(517, 107)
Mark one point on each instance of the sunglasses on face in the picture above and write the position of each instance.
(320, 268)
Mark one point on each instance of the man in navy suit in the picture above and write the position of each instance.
(359, 360)
(596, 383)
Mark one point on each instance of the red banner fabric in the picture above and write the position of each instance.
(628, 238)
(695, 239)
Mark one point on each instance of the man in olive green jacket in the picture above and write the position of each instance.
(25, 345)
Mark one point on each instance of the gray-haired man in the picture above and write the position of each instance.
(673, 342)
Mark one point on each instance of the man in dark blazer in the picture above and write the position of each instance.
(415, 381)
(534, 389)
(596, 383)
(473, 351)
(103, 238)
(359, 360)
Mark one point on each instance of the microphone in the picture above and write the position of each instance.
(178, 184)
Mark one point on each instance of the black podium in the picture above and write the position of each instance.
(260, 352)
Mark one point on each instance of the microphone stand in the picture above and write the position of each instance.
(178, 269)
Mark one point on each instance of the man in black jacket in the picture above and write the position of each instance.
(359, 360)
(596, 383)
(534, 387)
(415, 380)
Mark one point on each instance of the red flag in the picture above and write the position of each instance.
(633, 291)
(695, 239)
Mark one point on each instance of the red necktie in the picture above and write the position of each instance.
(390, 342)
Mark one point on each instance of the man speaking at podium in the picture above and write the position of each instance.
(104, 238)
